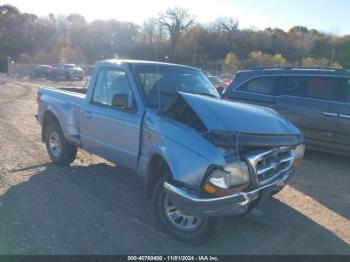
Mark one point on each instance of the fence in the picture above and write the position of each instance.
(21, 69)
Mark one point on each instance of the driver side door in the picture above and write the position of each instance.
(108, 131)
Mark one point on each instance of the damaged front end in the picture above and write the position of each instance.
(267, 155)
(259, 159)
(251, 175)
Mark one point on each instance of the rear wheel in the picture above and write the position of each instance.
(60, 152)
(180, 225)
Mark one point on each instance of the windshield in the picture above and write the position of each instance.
(169, 80)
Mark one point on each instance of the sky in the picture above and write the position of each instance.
(324, 15)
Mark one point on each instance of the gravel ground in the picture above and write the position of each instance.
(94, 207)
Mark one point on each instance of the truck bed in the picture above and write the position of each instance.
(80, 90)
(65, 103)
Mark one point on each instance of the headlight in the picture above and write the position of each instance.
(231, 178)
(299, 154)
(239, 173)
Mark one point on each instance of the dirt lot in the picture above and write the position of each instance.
(94, 207)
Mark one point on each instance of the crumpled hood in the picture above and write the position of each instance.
(229, 116)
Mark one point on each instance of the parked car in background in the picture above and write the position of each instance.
(198, 154)
(43, 71)
(219, 84)
(317, 100)
(68, 71)
(227, 78)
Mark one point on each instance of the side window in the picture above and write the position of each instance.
(109, 83)
(262, 85)
(323, 88)
(294, 86)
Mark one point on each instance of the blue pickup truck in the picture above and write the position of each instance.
(200, 156)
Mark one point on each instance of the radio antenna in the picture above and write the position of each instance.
(157, 66)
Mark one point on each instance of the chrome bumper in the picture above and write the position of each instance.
(235, 204)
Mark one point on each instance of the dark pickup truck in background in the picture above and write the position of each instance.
(317, 100)
(67, 71)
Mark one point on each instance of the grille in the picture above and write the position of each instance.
(267, 165)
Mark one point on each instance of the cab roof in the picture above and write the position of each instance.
(140, 62)
(296, 70)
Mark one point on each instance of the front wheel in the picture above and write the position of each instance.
(180, 225)
(60, 152)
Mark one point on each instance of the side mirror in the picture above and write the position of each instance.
(120, 101)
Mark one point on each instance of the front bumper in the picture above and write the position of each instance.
(235, 204)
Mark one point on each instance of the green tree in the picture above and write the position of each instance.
(308, 62)
(319, 62)
(258, 58)
(231, 63)
(278, 60)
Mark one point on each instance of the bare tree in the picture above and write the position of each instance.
(227, 25)
(176, 20)
(149, 30)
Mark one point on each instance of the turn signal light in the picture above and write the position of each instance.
(299, 154)
(297, 162)
(216, 191)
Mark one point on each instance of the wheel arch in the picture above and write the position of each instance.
(49, 117)
(154, 168)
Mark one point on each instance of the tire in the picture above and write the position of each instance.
(61, 153)
(197, 235)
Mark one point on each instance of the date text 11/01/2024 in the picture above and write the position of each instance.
(173, 258)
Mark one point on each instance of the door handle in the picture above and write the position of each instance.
(330, 114)
(345, 116)
(87, 114)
